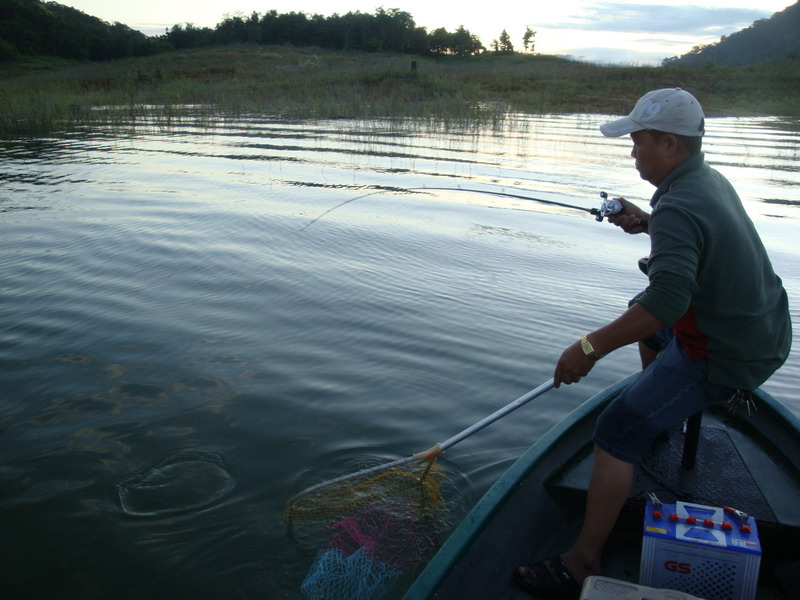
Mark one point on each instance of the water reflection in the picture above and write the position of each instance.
(180, 349)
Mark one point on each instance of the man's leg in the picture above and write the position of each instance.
(609, 487)
(663, 395)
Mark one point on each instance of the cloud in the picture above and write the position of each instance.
(647, 18)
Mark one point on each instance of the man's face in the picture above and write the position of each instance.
(651, 156)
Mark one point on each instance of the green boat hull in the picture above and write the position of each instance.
(535, 509)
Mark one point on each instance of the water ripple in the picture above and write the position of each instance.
(179, 347)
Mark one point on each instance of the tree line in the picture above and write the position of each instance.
(391, 30)
(37, 27)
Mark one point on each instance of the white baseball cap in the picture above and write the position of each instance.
(671, 110)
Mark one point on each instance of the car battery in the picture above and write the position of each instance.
(695, 549)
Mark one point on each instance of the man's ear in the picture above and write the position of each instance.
(671, 144)
(670, 141)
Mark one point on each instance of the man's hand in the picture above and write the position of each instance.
(636, 323)
(572, 365)
(631, 219)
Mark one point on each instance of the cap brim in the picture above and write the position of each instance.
(622, 126)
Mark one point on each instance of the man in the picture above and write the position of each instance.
(712, 322)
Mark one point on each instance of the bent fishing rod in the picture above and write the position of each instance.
(607, 207)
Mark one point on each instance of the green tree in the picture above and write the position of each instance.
(504, 44)
(232, 30)
(465, 43)
(189, 36)
(393, 27)
(8, 51)
(440, 41)
(528, 40)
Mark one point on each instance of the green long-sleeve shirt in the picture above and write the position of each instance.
(711, 279)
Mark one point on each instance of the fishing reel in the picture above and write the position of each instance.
(607, 208)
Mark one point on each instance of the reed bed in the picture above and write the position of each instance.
(284, 82)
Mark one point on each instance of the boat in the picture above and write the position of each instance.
(749, 462)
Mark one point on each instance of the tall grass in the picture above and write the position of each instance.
(285, 82)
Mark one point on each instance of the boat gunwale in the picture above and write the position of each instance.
(495, 497)
(476, 520)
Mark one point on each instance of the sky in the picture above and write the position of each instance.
(623, 32)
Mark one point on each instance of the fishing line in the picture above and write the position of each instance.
(601, 212)
(333, 208)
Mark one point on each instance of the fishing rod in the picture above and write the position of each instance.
(607, 208)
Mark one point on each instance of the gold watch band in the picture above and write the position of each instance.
(588, 349)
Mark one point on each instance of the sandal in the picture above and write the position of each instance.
(542, 581)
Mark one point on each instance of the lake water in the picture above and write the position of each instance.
(187, 337)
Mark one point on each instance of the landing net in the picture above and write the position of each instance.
(369, 531)
(380, 522)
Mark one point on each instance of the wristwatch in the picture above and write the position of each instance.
(587, 348)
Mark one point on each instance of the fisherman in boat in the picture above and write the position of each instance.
(712, 324)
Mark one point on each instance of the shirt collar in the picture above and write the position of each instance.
(690, 164)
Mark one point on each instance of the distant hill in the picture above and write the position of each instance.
(776, 38)
(35, 28)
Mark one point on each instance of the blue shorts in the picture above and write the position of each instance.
(667, 392)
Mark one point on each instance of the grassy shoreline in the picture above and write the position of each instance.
(285, 82)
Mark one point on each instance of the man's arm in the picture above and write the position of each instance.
(635, 324)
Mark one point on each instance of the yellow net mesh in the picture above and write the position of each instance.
(369, 530)
(418, 482)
